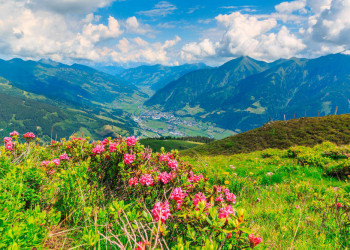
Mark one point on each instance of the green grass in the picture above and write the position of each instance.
(297, 208)
(168, 145)
(282, 134)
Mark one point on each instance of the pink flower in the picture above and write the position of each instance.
(254, 241)
(131, 141)
(198, 198)
(339, 205)
(257, 200)
(105, 141)
(29, 135)
(164, 157)
(133, 181)
(128, 158)
(177, 194)
(52, 171)
(195, 178)
(161, 212)
(219, 198)
(7, 139)
(165, 177)
(230, 196)
(45, 163)
(56, 162)
(219, 189)
(64, 157)
(98, 149)
(9, 146)
(146, 156)
(172, 164)
(146, 180)
(113, 147)
(14, 133)
(225, 212)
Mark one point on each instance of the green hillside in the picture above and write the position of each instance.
(168, 145)
(282, 134)
(244, 94)
(50, 121)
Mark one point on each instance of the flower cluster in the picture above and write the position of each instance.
(128, 158)
(165, 177)
(198, 198)
(178, 195)
(113, 147)
(161, 211)
(172, 164)
(64, 157)
(225, 212)
(131, 141)
(133, 181)
(146, 180)
(98, 149)
(14, 133)
(29, 135)
(193, 178)
(254, 240)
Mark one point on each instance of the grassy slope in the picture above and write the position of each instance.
(293, 184)
(282, 134)
(168, 145)
(49, 121)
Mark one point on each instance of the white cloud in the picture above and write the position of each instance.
(333, 24)
(162, 8)
(139, 50)
(31, 32)
(290, 7)
(133, 26)
(245, 34)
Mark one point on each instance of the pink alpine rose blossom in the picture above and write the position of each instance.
(29, 135)
(172, 164)
(113, 147)
(133, 181)
(178, 195)
(45, 163)
(219, 198)
(9, 146)
(146, 180)
(161, 211)
(131, 141)
(198, 198)
(14, 133)
(225, 212)
(56, 162)
(195, 178)
(128, 158)
(64, 157)
(254, 240)
(98, 149)
(165, 177)
(7, 139)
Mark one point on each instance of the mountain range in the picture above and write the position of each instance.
(155, 77)
(239, 95)
(245, 93)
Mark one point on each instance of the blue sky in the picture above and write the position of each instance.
(134, 32)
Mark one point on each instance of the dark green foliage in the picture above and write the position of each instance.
(48, 121)
(282, 134)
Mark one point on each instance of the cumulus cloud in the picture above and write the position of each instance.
(162, 8)
(333, 24)
(139, 50)
(30, 31)
(246, 35)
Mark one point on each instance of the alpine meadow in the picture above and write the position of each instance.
(174, 125)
